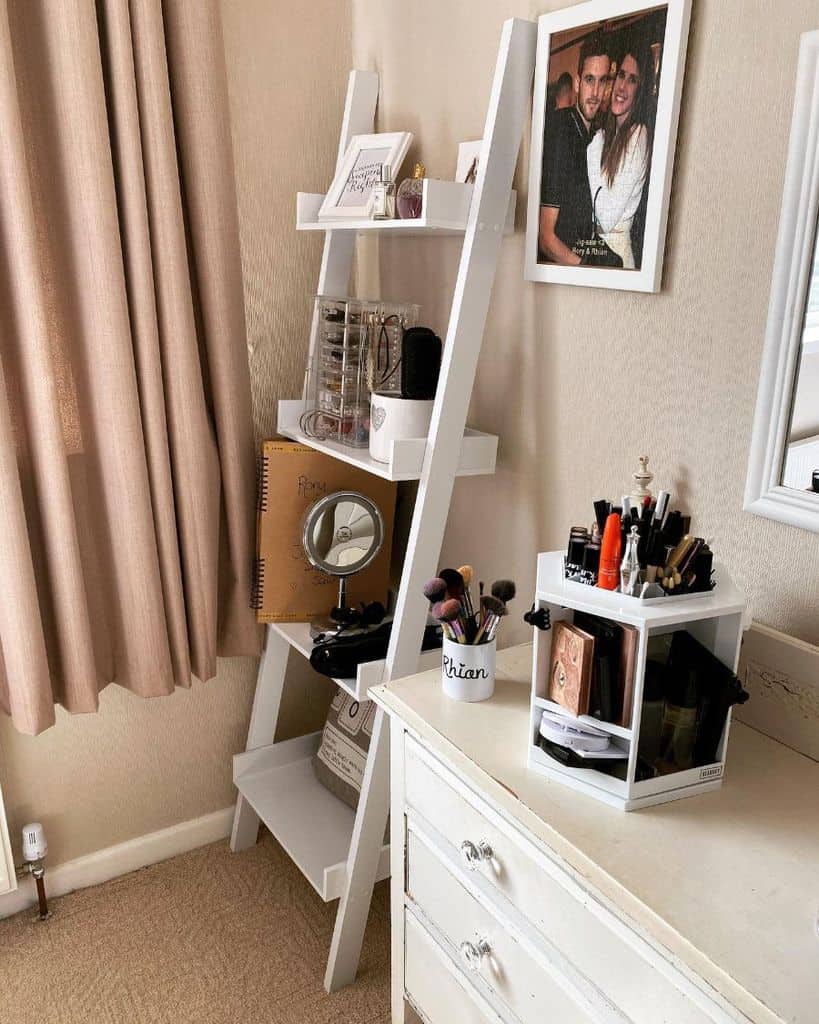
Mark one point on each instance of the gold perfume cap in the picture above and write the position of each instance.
(420, 171)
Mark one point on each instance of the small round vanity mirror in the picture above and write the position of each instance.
(343, 533)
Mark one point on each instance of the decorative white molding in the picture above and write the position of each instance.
(113, 861)
(764, 494)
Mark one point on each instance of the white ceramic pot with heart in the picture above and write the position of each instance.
(395, 419)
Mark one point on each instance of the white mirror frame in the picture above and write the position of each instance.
(764, 494)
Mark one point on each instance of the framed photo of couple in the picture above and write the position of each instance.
(608, 81)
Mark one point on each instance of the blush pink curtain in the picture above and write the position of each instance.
(126, 442)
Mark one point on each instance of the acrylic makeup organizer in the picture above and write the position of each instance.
(714, 618)
(357, 351)
(341, 852)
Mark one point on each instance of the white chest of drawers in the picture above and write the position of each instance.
(512, 897)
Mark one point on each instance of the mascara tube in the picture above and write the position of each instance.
(601, 511)
(657, 519)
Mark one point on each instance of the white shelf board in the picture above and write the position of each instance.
(608, 788)
(445, 205)
(478, 450)
(370, 673)
(725, 599)
(610, 727)
(312, 825)
(810, 348)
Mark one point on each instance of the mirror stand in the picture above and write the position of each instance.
(343, 533)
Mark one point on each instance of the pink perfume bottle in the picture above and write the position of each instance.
(410, 194)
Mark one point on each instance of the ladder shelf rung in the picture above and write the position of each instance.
(478, 450)
(445, 205)
(370, 673)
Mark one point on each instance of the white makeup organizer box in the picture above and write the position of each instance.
(715, 619)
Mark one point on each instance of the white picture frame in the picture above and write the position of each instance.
(765, 494)
(565, 29)
(359, 170)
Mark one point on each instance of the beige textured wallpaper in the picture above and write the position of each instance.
(138, 765)
(576, 382)
(579, 382)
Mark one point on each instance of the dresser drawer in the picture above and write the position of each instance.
(433, 984)
(634, 977)
(534, 991)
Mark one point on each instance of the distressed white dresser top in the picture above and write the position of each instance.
(727, 882)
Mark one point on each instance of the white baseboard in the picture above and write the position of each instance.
(113, 861)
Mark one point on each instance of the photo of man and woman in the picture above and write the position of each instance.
(601, 106)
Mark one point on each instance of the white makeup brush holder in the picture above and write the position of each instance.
(468, 670)
(396, 419)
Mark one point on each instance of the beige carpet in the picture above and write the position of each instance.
(207, 938)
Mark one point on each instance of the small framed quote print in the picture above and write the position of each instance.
(608, 83)
(360, 169)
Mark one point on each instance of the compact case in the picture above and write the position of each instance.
(569, 733)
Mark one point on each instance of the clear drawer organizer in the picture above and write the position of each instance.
(357, 351)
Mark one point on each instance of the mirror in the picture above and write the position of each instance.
(783, 472)
(800, 466)
(343, 533)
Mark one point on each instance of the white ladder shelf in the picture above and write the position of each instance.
(340, 852)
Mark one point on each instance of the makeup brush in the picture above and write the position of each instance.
(467, 574)
(455, 591)
(492, 608)
(435, 590)
(504, 590)
(492, 630)
(449, 611)
(454, 582)
(491, 605)
(446, 626)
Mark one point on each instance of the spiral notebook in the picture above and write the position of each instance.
(290, 479)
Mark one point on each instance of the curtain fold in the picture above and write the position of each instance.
(126, 443)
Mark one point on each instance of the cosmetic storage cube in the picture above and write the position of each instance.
(357, 351)
(714, 619)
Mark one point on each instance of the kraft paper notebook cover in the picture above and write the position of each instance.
(291, 478)
(570, 669)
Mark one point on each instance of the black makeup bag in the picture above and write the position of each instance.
(340, 656)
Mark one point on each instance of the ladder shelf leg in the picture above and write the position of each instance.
(262, 729)
(509, 103)
(362, 863)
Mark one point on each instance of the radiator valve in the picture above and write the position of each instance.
(35, 849)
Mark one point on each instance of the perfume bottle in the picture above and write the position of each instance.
(630, 566)
(382, 197)
(410, 194)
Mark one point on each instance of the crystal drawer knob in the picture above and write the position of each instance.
(472, 953)
(473, 855)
